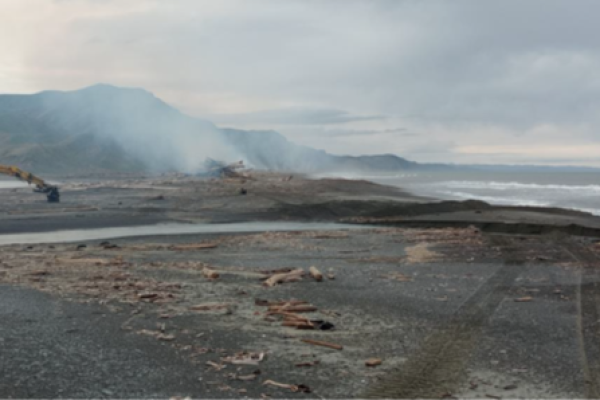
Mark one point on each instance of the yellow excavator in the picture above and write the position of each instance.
(41, 186)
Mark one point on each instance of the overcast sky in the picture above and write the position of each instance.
(445, 81)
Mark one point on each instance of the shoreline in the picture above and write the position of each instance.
(496, 198)
(142, 201)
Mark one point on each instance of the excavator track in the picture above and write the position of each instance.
(588, 307)
(440, 364)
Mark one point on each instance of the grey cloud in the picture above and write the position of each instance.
(295, 116)
(439, 147)
(502, 62)
(511, 64)
(402, 132)
(398, 132)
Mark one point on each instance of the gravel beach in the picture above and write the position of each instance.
(451, 299)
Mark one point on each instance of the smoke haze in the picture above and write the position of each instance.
(467, 81)
(109, 128)
(112, 120)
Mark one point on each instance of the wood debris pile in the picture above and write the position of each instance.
(289, 311)
(164, 286)
(85, 278)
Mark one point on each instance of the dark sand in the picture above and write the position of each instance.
(431, 291)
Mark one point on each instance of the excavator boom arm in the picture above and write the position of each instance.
(23, 175)
(41, 185)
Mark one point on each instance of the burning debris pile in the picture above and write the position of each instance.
(219, 169)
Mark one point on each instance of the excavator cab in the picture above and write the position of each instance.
(51, 193)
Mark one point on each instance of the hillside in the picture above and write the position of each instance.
(105, 128)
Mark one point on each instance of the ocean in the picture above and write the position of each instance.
(573, 190)
(13, 184)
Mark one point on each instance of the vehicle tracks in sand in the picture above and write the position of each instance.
(588, 316)
(439, 366)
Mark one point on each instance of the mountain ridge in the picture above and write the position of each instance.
(109, 128)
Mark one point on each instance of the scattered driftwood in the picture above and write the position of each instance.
(148, 296)
(95, 261)
(293, 388)
(288, 315)
(210, 307)
(247, 378)
(289, 310)
(276, 271)
(157, 334)
(316, 274)
(210, 273)
(492, 396)
(294, 275)
(264, 303)
(400, 277)
(331, 236)
(308, 363)
(373, 362)
(287, 303)
(245, 359)
(165, 337)
(524, 299)
(216, 366)
(193, 246)
(298, 324)
(324, 344)
(301, 308)
(294, 321)
(39, 273)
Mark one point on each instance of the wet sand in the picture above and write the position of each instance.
(450, 310)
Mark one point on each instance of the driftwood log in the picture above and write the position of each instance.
(294, 275)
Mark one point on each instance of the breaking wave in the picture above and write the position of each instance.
(494, 185)
(514, 201)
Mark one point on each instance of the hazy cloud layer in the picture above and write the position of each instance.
(468, 81)
(296, 116)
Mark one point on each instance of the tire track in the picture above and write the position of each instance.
(440, 364)
(588, 318)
